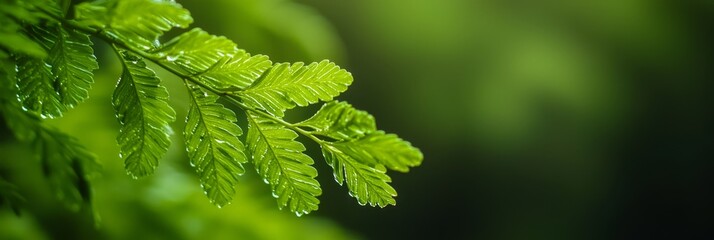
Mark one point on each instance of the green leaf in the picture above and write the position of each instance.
(141, 106)
(37, 88)
(72, 59)
(18, 121)
(280, 160)
(214, 60)
(237, 71)
(384, 149)
(285, 85)
(9, 194)
(213, 146)
(67, 165)
(136, 22)
(357, 136)
(195, 51)
(370, 185)
(13, 39)
(28, 11)
(340, 121)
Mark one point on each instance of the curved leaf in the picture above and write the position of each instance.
(137, 22)
(213, 146)
(18, 121)
(280, 160)
(195, 51)
(141, 106)
(370, 185)
(72, 59)
(381, 148)
(340, 121)
(239, 71)
(37, 88)
(285, 85)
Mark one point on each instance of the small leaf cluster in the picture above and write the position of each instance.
(47, 64)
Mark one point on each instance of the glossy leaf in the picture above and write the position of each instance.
(285, 85)
(17, 120)
(139, 23)
(213, 146)
(141, 106)
(195, 51)
(37, 88)
(213, 60)
(370, 185)
(238, 71)
(72, 60)
(383, 149)
(340, 121)
(280, 161)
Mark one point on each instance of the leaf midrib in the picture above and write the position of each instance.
(208, 132)
(277, 160)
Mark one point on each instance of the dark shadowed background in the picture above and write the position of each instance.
(549, 119)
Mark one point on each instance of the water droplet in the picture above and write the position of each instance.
(172, 58)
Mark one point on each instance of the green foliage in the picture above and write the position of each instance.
(141, 106)
(285, 85)
(54, 60)
(9, 194)
(213, 145)
(67, 165)
(340, 121)
(37, 88)
(281, 162)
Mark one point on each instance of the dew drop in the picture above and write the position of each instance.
(171, 58)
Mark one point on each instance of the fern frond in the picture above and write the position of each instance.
(67, 166)
(280, 160)
(141, 106)
(285, 85)
(17, 120)
(213, 146)
(340, 121)
(356, 135)
(213, 60)
(238, 71)
(139, 23)
(37, 88)
(195, 51)
(72, 59)
(370, 185)
(381, 148)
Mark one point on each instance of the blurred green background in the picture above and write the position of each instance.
(549, 119)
